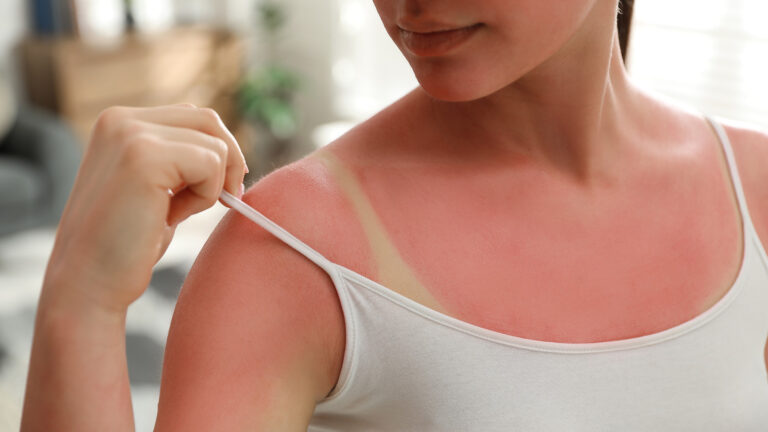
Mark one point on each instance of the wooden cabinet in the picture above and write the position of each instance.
(77, 80)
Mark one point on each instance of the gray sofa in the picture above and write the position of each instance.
(39, 158)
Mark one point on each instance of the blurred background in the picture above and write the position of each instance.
(286, 76)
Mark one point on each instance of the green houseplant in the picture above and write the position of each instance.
(266, 94)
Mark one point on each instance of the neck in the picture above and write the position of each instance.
(569, 113)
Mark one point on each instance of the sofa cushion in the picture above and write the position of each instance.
(21, 187)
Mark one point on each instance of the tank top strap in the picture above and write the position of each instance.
(733, 170)
(279, 232)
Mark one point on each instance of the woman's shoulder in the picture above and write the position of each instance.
(309, 199)
(252, 299)
(748, 141)
(751, 141)
(750, 149)
(305, 198)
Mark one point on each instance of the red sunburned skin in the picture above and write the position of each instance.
(437, 43)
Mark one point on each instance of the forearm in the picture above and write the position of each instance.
(78, 375)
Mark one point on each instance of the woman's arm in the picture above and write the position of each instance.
(145, 170)
(78, 379)
(257, 337)
(254, 342)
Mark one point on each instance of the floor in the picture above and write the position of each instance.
(23, 258)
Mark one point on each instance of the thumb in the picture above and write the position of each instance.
(168, 233)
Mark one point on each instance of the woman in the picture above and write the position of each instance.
(527, 241)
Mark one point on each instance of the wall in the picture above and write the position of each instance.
(307, 47)
(710, 55)
(13, 25)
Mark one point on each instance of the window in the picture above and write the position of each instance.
(711, 55)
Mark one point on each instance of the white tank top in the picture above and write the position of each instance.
(407, 367)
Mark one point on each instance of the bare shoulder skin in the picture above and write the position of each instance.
(257, 338)
(750, 146)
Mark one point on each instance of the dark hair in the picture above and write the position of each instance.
(624, 22)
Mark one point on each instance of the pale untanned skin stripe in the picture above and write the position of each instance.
(285, 413)
(393, 272)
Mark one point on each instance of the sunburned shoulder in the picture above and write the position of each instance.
(304, 199)
(750, 148)
(749, 143)
(258, 323)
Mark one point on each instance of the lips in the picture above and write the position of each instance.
(436, 40)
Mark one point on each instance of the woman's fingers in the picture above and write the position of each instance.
(143, 171)
(232, 177)
(203, 120)
(201, 169)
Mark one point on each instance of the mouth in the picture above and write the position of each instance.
(437, 40)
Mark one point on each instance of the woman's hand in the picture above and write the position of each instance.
(144, 171)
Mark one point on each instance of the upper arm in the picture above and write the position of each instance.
(257, 336)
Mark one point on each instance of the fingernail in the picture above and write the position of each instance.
(242, 191)
(246, 169)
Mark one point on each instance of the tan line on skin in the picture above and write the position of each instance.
(393, 271)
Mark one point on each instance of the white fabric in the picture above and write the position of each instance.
(409, 368)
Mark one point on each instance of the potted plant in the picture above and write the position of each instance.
(266, 94)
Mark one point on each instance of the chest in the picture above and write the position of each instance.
(543, 260)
